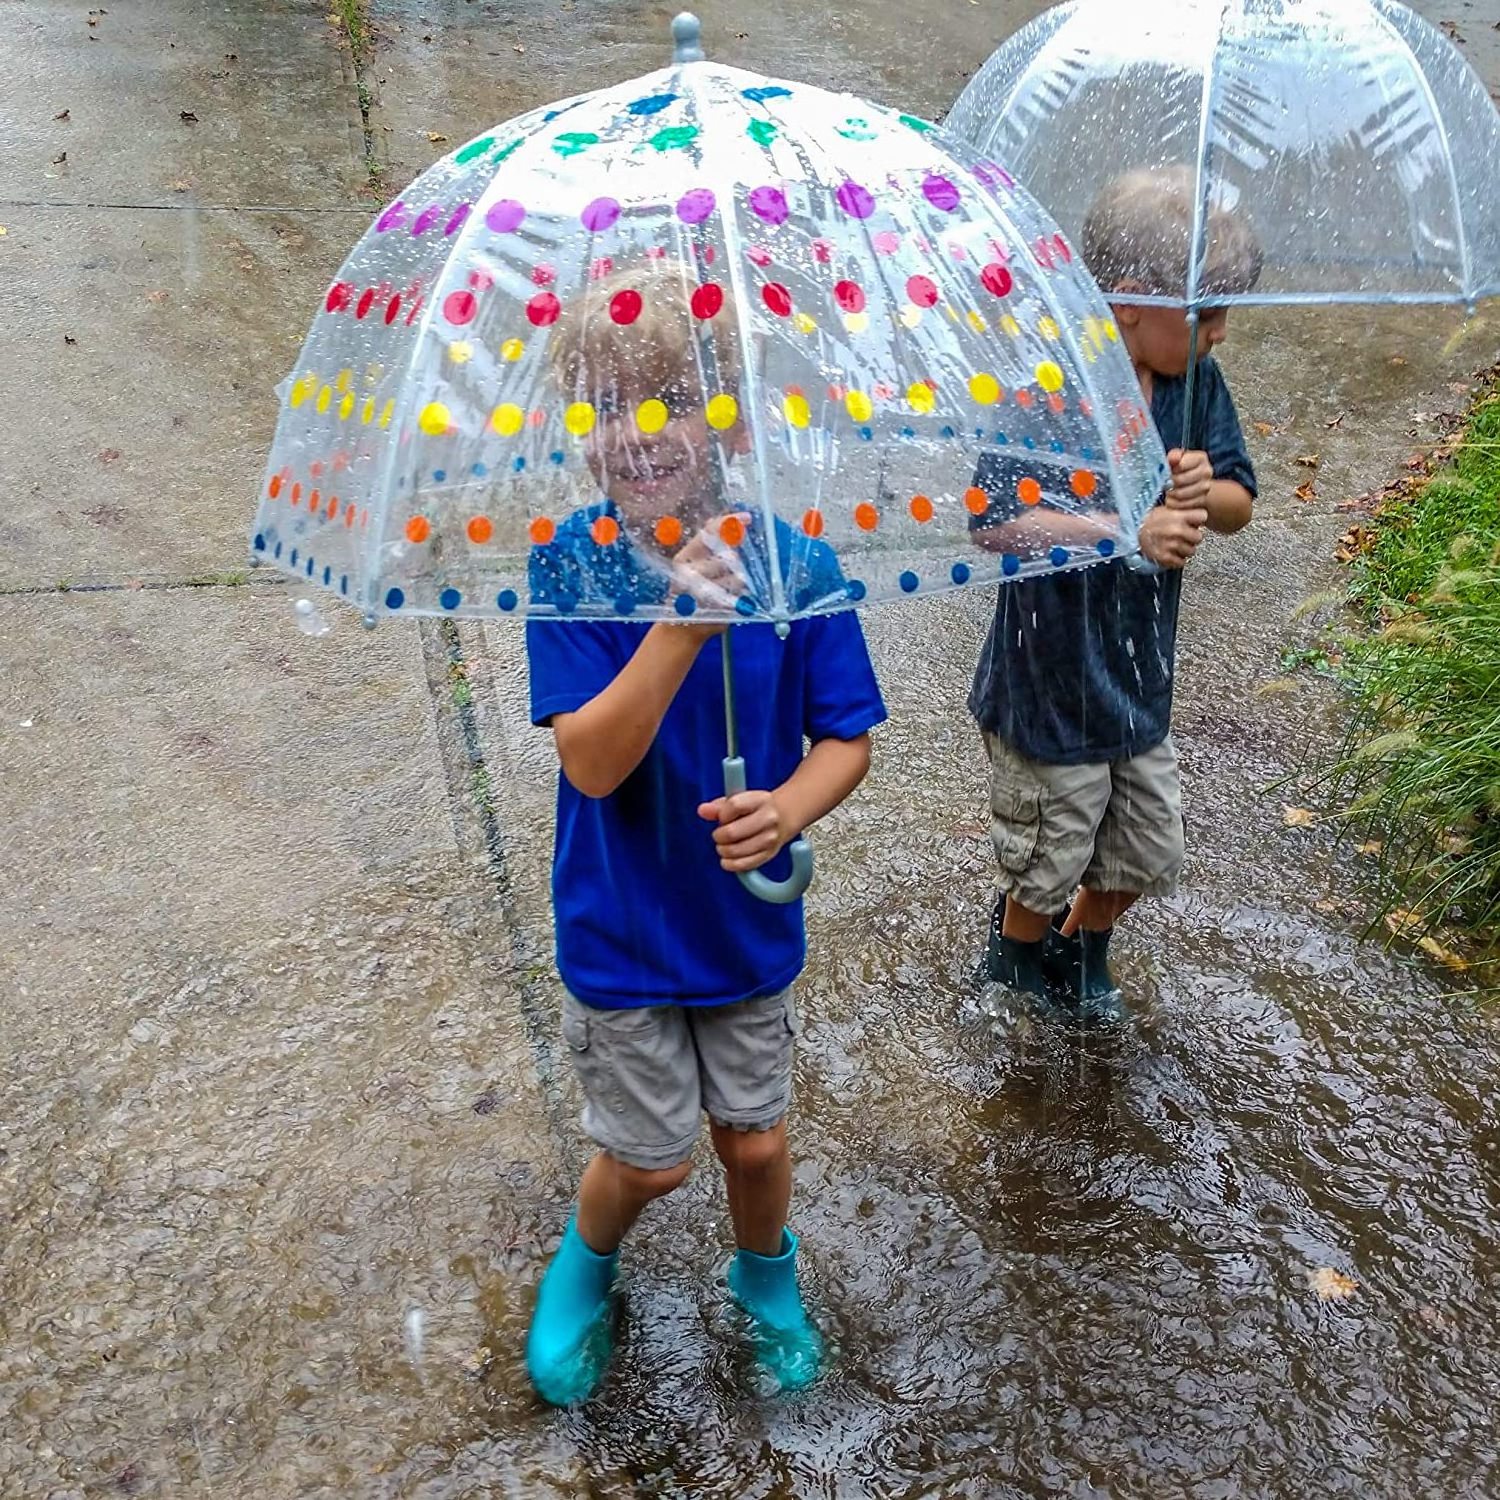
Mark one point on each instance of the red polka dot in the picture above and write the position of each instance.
(997, 279)
(707, 300)
(777, 298)
(1029, 492)
(922, 290)
(543, 309)
(393, 308)
(625, 307)
(850, 296)
(367, 297)
(460, 307)
(340, 295)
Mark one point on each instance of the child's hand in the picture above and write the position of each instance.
(709, 568)
(1170, 535)
(1192, 476)
(752, 828)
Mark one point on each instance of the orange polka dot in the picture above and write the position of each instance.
(732, 531)
(1084, 484)
(542, 531)
(812, 523)
(418, 529)
(605, 531)
(1029, 492)
(669, 531)
(275, 486)
(1086, 407)
(349, 511)
(1056, 403)
(976, 501)
(921, 508)
(340, 461)
(296, 494)
(537, 418)
(866, 517)
(480, 529)
(333, 507)
(315, 469)
(312, 502)
(835, 393)
(1024, 398)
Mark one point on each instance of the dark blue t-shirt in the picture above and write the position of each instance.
(1078, 666)
(644, 913)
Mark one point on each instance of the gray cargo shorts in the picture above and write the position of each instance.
(649, 1075)
(1114, 826)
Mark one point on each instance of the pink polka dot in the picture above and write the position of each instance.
(695, 206)
(460, 307)
(850, 296)
(481, 281)
(777, 298)
(505, 216)
(940, 192)
(997, 279)
(922, 290)
(543, 274)
(707, 300)
(770, 204)
(856, 201)
(601, 268)
(625, 307)
(886, 241)
(822, 251)
(340, 295)
(759, 255)
(601, 214)
(993, 176)
(543, 309)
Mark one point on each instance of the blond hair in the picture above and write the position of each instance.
(1140, 230)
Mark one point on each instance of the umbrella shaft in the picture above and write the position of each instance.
(1190, 388)
(731, 728)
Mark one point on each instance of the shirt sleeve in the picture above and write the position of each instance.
(840, 696)
(1224, 441)
(571, 662)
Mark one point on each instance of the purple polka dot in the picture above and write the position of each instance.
(994, 177)
(460, 217)
(695, 206)
(769, 203)
(601, 214)
(940, 192)
(856, 200)
(392, 218)
(505, 216)
(427, 218)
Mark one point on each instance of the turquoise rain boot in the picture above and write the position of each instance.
(787, 1344)
(571, 1338)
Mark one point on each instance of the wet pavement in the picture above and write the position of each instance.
(288, 1135)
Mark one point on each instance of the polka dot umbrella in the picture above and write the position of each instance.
(703, 344)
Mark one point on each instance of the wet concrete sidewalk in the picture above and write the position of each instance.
(288, 1135)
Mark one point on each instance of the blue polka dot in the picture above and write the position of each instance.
(744, 605)
(440, 475)
(327, 577)
(310, 566)
(260, 541)
(1028, 442)
(1087, 454)
(557, 455)
(948, 432)
(507, 600)
(519, 464)
(566, 603)
(685, 604)
(1002, 438)
(1107, 547)
(479, 471)
(1057, 446)
(763, 91)
(979, 433)
(343, 583)
(908, 581)
(394, 598)
(867, 433)
(401, 483)
(625, 604)
(908, 432)
(652, 104)
(1010, 565)
(855, 590)
(450, 598)
(277, 552)
(1059, 556)
(293, 558)
(961, 573)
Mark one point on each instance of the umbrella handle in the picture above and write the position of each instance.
(777, 892)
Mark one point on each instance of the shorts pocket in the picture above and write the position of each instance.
(791, 1018)
(575, 1029)
(1015, 812)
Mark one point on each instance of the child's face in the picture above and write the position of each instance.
(1159, 337)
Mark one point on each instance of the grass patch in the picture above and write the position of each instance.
(1420, 771)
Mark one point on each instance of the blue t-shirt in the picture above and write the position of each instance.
(1078, 666)
(644, 913)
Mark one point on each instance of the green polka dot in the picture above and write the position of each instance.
(856, 129)
(762, 132)
(915, 124)
(474, 149)
(674, 136)
(505, 151)
(571, 142)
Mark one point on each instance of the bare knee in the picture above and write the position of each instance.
(750, 1153)
(646, 1184)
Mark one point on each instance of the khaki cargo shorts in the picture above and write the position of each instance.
(649, 1075)
(1114, 826)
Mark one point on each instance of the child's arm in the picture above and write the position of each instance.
(753, 826)
(1228, 503)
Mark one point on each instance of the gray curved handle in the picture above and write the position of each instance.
(777, 892)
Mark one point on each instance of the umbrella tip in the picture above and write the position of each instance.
(687, 36)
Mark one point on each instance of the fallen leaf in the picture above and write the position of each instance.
(1306, 492)
(60, 160)
(1445, 956)
(3, 231)
(436, 138)
(108, 455)
(1337, 421)
(63, 114)
(1370, 846)
(1398, 360)
(188, 117)
(1331, 1285)
(1402, 920)
(519, 47)
(477, 1365)
(1266, 429)
(180, 186)
(1308, 460)
(1298, 817)
(156, 296)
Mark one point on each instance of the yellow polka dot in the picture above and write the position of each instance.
(579, 418)
(921, 396)
(856, 322)
(346, 406)
(507, 420)
(1050, 377)
(722, 411)
(798, 413)
(1009, 325)
(511, 350)
(1110, 331)
(460, 351)
(435, 419)
(976, 322)
(342, 383)
(1048, 329)
(325, 398)
(367, 411)
(387, 412)
(859, 405)
(302, 389)
(651, 416)
(910, 315)
(804, 324)
(985, 389)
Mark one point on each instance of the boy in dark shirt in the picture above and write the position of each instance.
(1073, 690)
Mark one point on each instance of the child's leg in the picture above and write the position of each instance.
(1098, 911)
(612, 1195)
(758, 1178)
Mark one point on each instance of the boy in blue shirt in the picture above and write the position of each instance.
(1073, 690)
(678, 979)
